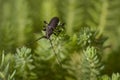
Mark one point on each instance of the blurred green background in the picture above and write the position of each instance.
(21, 21)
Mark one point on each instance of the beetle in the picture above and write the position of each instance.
(50, 27)
(49, 30)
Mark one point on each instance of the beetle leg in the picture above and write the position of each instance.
(61, 24)
(45, 22)
(44, 28)
(56, 32)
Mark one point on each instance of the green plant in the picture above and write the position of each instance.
(88, 48)
(5, 72)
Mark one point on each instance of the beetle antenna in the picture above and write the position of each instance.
(57, 58)
(37, 40)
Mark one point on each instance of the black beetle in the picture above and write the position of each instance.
(51, 26)
(49, 30)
